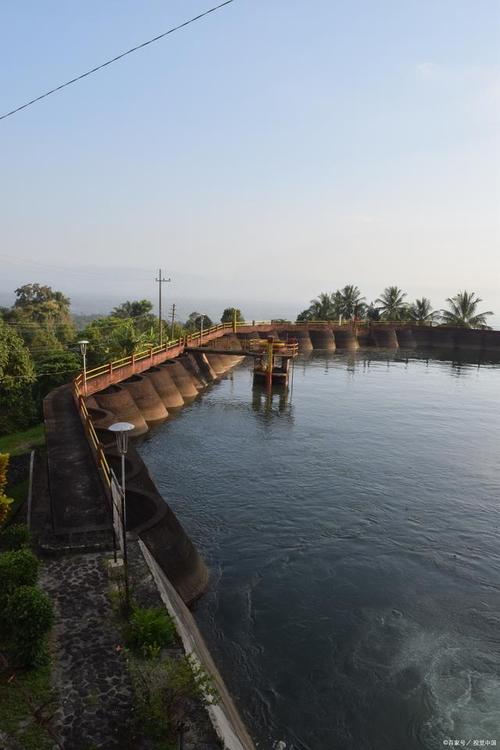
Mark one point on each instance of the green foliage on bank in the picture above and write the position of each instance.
(149, 630)
(39, 348)
(349, 304)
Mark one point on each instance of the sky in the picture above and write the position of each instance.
(260, 156)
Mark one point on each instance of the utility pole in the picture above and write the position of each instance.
(173, 320)
(160, 281)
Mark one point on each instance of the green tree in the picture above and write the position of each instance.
(134, 309)
(55, 369)
(42, 317)
(323, 307)
(17, 374)
(463, 311)
(372, 312)
(421, 311)
(193, 322)
(227, 315)
(351, 303)
(112, 338)
(139, 312)
(391, 304)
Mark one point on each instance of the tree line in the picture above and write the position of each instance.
(39, 335)
(39, 349)
(349, 304)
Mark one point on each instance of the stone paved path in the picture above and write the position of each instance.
(95, 691)
(96, 698)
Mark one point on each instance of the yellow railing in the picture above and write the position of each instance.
(118, 364)
(91, 433)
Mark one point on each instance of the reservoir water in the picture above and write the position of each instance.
(352, 531)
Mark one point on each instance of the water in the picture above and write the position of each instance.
(353, 535)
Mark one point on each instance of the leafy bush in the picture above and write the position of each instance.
(149, 630)
(5, 502)
(29, 616)
(161, 689)
(15, 537)
(17, 568)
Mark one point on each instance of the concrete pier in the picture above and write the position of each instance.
(385, 338)
(322, 338)
(346, 339)
(302, 337)
(406, 338)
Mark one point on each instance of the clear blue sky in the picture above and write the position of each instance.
(269, 152)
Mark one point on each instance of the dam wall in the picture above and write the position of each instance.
(378, 335)
(142, 400)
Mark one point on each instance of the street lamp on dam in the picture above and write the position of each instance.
(121, 431)
(202, 318)
(83, 350)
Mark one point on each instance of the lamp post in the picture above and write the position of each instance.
(121, 430)
(202, 317)
(83, 350)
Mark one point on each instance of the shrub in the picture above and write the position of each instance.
(161, 689)
(17, 568)
(15, 537)
(150, 630)
(30, 616)
(5, 502)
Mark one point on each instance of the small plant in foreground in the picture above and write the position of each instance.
(29, 616)
(161, 687)
(5, 502)
(15, 536)
(17, 568)
(150, 630)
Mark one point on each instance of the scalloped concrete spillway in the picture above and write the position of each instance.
(406, 338)
(120, 402)
(346, 339)
(323, 339)
(165, 387)
(385, 338)
(182, 378)
(146, 397)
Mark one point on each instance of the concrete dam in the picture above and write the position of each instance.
(145, 389)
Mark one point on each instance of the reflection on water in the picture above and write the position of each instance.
(351, 525)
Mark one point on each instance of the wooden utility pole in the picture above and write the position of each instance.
(160, 281)
(173, 321)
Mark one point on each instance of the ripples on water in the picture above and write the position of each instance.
(353, 534)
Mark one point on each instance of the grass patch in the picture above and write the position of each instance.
(16, 717)
(23, 441)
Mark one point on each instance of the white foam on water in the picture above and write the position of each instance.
(462, 701)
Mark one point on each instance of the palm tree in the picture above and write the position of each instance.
(391, 304)
(421, 311)
(463, 311)
(351, 303)
(322, 306)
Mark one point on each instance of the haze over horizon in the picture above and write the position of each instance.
(262, 155)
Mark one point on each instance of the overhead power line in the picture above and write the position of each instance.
(115, 59)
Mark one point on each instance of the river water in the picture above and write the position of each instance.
(352, 530)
